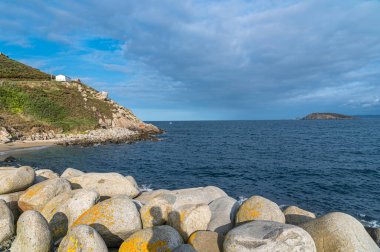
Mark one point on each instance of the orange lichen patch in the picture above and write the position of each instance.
(25, 206)
(249, 212)
(192, 238)
(101, 212)
(137, 244)
(141, 126)
(32, 191)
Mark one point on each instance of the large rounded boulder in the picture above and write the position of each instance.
(223, 211)
(156, 211)
(33, 233)
(268, 236)
(7, 228)
(45, 174)
(190, 218)
(194, 196)
(296, 216)
(38, 195)
(65, 208)
(12, 201)
(106, 184)
(15, 179)
(82, 238)
(259, 208)
(114, 219)
(339, 232)
(71, 172)
(154, 239)
(206, 241)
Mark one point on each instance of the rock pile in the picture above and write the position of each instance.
(41, 211)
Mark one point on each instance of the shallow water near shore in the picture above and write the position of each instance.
(321, 166)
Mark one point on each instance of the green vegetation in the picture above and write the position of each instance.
(14, 70)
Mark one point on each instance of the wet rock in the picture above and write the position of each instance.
(65, 208)
(106, 184)
(114, 219)
(82, 238)
(374, 233)
(339, 232)
(223, 211)
(190, 218)
(12, 202)
(295, 215)
(7, 228)
(10, 159)
(268, 236)
(71, 172)
(15, 179)
(37, 196)
(259, 208)
(155, 239)
(206, 241)
(33, 233)
(45, 174)
(156, 212)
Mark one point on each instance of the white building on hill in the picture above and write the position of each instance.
(61, 77)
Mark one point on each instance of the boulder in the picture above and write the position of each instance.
(206, 241)
(114, 219)
(194, 196)
(45, 174)
(12, 201)
(185, 248)
(154, 239)
(10, 159)
(190, 218)
(156, 211)
(7, 227)
(339, 232)
(374, 233)
(33, 233)
(65, 208)
(5, 136)
(82, 238)
(295, 215)
(37, 196)
(106, 184)
(15, 179)
(145, 197)
(71, 172)
(259, 208)
(132, 180)
(223, 212)
(268, 236)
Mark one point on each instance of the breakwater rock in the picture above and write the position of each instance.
(75, 211)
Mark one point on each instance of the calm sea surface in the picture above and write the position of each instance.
(321, 166)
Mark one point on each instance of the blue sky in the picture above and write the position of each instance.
(207, 60)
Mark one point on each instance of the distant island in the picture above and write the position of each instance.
(327, 116)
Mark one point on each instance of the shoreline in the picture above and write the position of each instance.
(7, 148)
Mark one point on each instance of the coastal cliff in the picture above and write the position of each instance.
(33, 108)
(327, 116)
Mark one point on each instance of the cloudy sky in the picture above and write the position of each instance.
(207, 60)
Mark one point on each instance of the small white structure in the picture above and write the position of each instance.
(61, 77)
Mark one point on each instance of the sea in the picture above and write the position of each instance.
(320, 166)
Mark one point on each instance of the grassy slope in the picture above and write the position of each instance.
(37, 104)
(14, 70)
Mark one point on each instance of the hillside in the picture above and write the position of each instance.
(13, 70)
(327, 116)
(32, 109)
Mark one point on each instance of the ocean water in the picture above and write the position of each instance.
(321, 166)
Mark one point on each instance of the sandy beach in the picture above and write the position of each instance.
(8, 148)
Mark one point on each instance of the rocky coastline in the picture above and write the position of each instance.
(327, 116)
(43, 211)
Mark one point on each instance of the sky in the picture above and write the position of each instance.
(207, 60)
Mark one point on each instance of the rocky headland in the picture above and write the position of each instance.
(327, 116)
(36, 108)
(43, 211)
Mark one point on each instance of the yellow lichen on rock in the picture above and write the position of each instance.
(137, 244)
